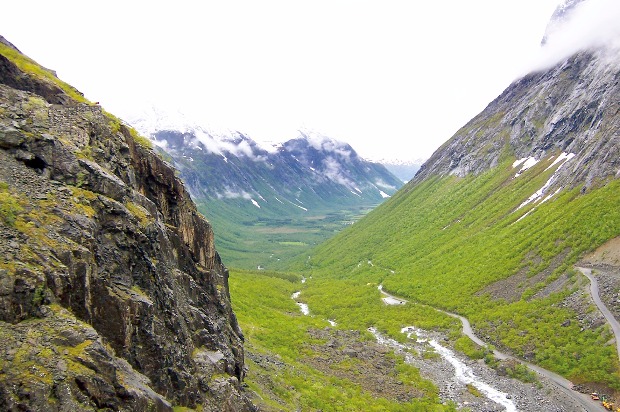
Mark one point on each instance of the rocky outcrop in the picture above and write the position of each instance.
(571, 108)
(112, 295)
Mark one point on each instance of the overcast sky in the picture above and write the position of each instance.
(394, 78)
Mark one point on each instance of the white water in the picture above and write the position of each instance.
(304, 307)
(393, 301)
(389, 299)
(462, 372)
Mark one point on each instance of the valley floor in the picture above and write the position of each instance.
(326, 367)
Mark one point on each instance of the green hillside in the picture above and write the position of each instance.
(461, 244)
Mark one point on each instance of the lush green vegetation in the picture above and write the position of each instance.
(248, 239)
(447, 242)
(275, 329)
(9, 205)
(357, 304)
(30, 66)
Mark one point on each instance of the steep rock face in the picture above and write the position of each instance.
(571, 108)
(111, 292)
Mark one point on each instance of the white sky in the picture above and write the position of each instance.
(394, 78)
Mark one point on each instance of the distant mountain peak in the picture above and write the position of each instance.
(559, 18)
(323, 142)
(217, 140)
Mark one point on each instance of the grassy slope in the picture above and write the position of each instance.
(30, 66)
(443, 241)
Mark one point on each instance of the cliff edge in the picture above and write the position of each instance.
(112, 296)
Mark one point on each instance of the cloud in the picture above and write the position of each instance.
(383, 184)
(591, 24)
(219, 144)
(333, 172)
(231, 194)
(326, 144)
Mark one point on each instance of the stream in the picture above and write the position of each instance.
(455, 376)
(561, 384)
(304, 307)
(462, 373)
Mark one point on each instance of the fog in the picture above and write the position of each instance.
(590, 25)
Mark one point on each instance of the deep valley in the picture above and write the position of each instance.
(186, 270)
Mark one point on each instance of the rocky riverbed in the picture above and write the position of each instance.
(348, 354)
(525, 396)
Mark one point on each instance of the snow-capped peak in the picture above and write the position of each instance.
(156, 119)
(324, 143)
(222, 141)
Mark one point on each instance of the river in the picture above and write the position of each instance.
(563, 385)
(556, 394)
(462, 373)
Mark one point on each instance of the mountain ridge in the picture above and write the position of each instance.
(574, 115)
(317, 165)
(274, 203)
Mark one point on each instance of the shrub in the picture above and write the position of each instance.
(9, 208)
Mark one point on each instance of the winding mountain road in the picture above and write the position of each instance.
(615, 326)
(562, 384)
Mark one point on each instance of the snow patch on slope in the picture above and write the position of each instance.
(525, 163)
(563, 159)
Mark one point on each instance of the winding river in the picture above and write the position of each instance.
(464, 373)
(562, 384)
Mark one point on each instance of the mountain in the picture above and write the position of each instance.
(312, 184)
(560, 16)
(493, 224)
(563, 113)
(311, 171)
(112, 295)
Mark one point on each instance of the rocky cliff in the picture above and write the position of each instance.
(571, 108)
(112, 296)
